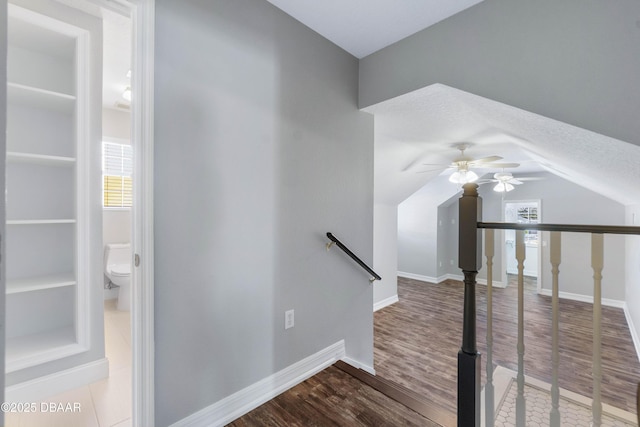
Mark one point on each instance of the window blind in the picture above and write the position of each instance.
(117, 168)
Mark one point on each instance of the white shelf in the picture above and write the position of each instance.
(31, 284)
(39, 159)
(30, 350)
(36, 97)
(40, 221)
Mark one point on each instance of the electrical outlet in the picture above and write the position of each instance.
(288, 319)
(440, 264)
(451, 262)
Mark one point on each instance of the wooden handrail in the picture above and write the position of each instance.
(574, 228)
(469, 235)
(338, 243)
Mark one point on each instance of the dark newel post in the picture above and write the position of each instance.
(469, 261)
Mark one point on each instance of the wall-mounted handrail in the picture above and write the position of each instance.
(338, 243)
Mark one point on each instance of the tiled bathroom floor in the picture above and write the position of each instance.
(106, 403)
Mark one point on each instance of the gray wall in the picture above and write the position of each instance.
(385, 251)
(577, 61)
(418, 235)
(562, 202)
(3, 152)
(259, 150)
(632, 274)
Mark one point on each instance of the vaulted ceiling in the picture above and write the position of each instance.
(420, 124)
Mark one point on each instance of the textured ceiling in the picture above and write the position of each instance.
(362, 27)
(420, 127)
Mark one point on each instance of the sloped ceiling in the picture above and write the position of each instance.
(421, 126)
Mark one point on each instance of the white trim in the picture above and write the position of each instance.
(359, 365)
(632, 329)
(441, 279)
(243, 401)
(584, 298)
(58, 382)
(480, 281)
(87, 224)
(142, 313)
(385, 302)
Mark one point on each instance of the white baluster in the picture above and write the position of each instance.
(597, 263)
(555, 250)
(489, 390)
(520, 401)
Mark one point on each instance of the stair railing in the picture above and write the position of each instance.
(469, 261)
(338, 243)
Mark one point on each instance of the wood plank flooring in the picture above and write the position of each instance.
(416, 341)
(332, 398)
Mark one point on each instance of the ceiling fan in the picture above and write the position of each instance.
(462, 166)
(505, 181)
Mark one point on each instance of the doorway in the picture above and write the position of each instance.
(141, 131)
(522, 212)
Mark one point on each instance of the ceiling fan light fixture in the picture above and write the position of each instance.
(463, 177)
(126, 94)
(502, 187)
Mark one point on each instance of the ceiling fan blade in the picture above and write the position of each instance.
(432, 170)
(485, 160)
(485, 181)
(515, 181)
(530, 178)
(496, 165)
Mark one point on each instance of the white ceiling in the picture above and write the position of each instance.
(116, 57)
(421, 127)
(362, 27)
(116, 38)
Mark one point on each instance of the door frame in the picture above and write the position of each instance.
(503, 239)
(142, 313)
(143, 21)
(142, 13)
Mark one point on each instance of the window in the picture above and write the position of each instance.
(117, 168)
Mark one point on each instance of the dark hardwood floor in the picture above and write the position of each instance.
(332, 398)
(416, 341)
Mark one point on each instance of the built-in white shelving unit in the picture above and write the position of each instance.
(46, 170)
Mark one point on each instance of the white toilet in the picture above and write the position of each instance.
(117, 267)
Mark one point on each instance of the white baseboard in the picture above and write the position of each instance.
(385, 302)
(441, 279)
(632, 330)
(584, 298)
(359, 365)
(422, 278)
(234, 406)
(460, 278)
(50, 385)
